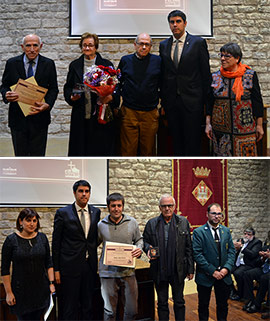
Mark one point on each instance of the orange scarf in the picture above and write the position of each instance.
(237, 86)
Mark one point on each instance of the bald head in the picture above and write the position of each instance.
(142, 44)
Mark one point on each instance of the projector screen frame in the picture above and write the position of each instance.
(121, 35)
(93, 183)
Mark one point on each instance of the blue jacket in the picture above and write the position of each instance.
(206, 254)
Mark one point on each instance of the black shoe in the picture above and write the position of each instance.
(247, 305)
(235, 297)
(253, 309)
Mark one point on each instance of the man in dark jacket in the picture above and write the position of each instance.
(29, 133)
(247, 258)
(74, 252)
(167, 243)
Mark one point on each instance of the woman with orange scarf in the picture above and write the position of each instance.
(235, 108)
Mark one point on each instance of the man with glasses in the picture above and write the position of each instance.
(139, 88)
(167, 243)
(247, 258)
(186, 80)
(29, 133)
(214, 255)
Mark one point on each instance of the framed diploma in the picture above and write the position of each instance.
(119, 254)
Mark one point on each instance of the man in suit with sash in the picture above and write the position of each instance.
(74, 251)
(29, 134)
(185, 83)
(214, 254)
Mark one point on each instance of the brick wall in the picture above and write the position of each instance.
(244, 21)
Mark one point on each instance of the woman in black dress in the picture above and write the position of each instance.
(28, 291)
(87, 137)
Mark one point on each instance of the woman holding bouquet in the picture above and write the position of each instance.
(87, 136)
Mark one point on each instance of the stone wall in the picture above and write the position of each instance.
(143, 181)
(244, 21)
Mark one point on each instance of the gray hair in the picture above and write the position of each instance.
(165, 196)
(32, 34)
(143, 33)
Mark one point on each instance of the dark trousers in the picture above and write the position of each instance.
(264, 287)
(31, 316)
(30, 141)
(178, 299)
(249, 276)
(77, 294)
(238, 273)
(222, 292)
(185, 127)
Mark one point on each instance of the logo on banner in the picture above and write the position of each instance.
(202, 192)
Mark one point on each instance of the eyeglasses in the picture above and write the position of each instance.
(141, 44)
(167, 205)
(89, 46)
(216, 214)
(246, 233)
(225, 56)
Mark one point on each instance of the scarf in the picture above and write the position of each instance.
(237, 86)
(167, 255)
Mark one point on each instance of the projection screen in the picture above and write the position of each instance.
(128, 18)
(48, 182)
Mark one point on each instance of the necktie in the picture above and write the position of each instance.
(217, 241)
(30, 71)
(175, 54)
(82, 219)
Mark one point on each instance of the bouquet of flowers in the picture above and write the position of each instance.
(102, 81)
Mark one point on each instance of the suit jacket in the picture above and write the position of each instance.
(45, 77)
(77, 129)
(207, 257)
(69, 244)
(251, 253)
(184, 259)
(192, 77)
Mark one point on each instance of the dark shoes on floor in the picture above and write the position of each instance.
(247, 305)
(235, 297)
(253, 309)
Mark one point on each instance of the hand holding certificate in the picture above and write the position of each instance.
(29, 93)
(119, 254)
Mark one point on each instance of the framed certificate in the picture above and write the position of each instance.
(119, 254)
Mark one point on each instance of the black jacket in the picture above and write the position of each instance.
(69, 244)
(184, 256)
(45, 77)
(251, 253)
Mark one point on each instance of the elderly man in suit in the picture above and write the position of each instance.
(74, 251)
(29, 134)
(214, 254)
(186, 81)
(247, 258)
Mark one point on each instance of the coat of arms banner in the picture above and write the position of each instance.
(196, 184)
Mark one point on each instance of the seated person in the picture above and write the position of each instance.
(264, 285)
(257, 274)
(247, 257)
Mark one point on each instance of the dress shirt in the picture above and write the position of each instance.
(212, 231)
(86, 216)
(180, 45)
(26, 64)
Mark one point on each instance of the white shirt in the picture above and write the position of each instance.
(180, 45)
(86, 216)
